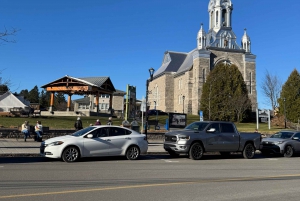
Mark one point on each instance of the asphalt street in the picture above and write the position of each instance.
(153, 177)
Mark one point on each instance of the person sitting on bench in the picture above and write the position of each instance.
(38, 131)
(25, 130)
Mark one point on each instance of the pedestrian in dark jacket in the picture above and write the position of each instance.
(78, 124)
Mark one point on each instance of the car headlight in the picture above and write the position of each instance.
(279, 142)
(184, 137)
(56, 143)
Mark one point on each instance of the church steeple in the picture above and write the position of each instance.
(201, 38)
(220, 12)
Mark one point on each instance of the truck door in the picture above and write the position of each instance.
(229, 138)
(212, 138)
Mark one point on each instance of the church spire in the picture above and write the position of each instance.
(246, 43)
(201, 38)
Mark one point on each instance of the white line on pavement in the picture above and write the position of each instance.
(168, 161)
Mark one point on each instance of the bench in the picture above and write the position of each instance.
(153, 123)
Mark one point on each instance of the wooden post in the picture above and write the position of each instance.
(51, 102)
(69, 102)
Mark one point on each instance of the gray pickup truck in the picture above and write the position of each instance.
(211, 136)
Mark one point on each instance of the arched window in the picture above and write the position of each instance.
(217, 17)
(250, 83)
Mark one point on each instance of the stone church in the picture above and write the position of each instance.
(177, 84)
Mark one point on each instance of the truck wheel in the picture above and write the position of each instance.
(173, 153)
(249, 151)
(288, 151)
(196, 151)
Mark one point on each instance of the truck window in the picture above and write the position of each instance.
(227, 128)
(200, 126)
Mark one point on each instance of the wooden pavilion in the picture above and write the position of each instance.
(80, 86)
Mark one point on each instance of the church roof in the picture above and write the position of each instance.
(172, 65)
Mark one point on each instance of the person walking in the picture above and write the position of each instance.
(109, 122)
(97, 122)
(39, 131)
(78, 124)
(25, 129)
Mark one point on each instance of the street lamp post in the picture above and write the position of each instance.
(284, 113)
(151, 71)
(183, 97)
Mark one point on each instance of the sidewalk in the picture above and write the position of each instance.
(12, 147)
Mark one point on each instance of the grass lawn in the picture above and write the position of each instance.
(68, 122)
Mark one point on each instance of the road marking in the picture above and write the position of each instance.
(149, 185)
(273, 159)
(1, 166)
(168, 161)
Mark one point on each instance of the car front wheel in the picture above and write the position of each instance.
(196, 151)
(132, 153)
(288, 152)
(70, 154)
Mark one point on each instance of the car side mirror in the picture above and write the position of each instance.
(90, 136)
(211, 130)
(295, 138)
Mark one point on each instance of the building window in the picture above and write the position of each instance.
(179, 99)
(250, 83)
(203, 75)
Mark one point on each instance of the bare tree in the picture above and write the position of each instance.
(271, 87)
(4, 35)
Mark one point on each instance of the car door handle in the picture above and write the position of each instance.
(108, 140)
(127, 138)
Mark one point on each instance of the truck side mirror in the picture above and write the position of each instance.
(211, 130)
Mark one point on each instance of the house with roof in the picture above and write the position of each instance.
(10, 103)
(177, 84)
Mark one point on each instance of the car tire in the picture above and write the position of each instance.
(196, 151)
(132, 153)
(70, 154)
(288, 151)
(173, 153)
(249, 151)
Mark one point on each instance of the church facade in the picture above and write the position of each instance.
(177, 83)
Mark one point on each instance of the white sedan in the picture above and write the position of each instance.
(96, 141)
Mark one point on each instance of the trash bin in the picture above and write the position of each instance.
(136, 128)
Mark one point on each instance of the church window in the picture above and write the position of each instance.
(250, 83)
(217, 17)
(179, 99)
(203, 75)
(224, 18)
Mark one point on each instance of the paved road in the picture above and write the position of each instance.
(154, 177)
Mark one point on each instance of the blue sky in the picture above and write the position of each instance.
(122, 39)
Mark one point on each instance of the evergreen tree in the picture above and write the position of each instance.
(24, 93)
(222, 91)
(34, 95)
(60, 102)
(44, 99)
(289, 101)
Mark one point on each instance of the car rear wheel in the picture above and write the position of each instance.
(249, 151)
(288, 152)
(196, 151)
(132, 153)
(70, 154)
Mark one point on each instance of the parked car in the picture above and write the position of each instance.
(286, 143)
(96, 141)
(211, 136)
(158, 112)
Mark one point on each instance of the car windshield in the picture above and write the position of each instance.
(282, 135)
(200, 126)
(83, 131)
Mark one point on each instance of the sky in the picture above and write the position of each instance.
(122, 39)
